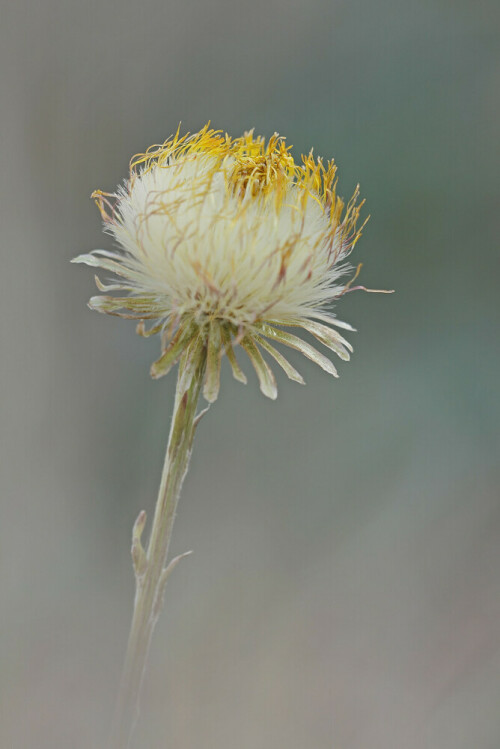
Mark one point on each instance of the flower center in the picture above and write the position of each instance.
(258, 173)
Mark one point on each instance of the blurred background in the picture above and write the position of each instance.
(344, 592)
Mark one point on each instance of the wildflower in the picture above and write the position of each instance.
(226, 242)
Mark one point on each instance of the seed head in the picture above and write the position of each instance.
(225, 242)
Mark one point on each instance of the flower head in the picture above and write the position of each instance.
(225, 242)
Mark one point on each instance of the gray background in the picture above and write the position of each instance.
(344, 591)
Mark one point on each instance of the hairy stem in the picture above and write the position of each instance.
(149, 565)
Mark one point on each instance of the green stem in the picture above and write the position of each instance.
(150, 571)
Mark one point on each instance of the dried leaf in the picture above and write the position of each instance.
(212, 377)
(264, 373)
(331, 320)
(108, 261)
(174, 351)
(112, 286)
(297, 343)
(238, 374)
(329, 338)
(278, 357)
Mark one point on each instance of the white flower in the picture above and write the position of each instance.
(227, 241)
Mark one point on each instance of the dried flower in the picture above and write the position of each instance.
(228, 241)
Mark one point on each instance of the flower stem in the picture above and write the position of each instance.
(150, 571)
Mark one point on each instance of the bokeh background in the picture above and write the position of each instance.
(345, 591)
